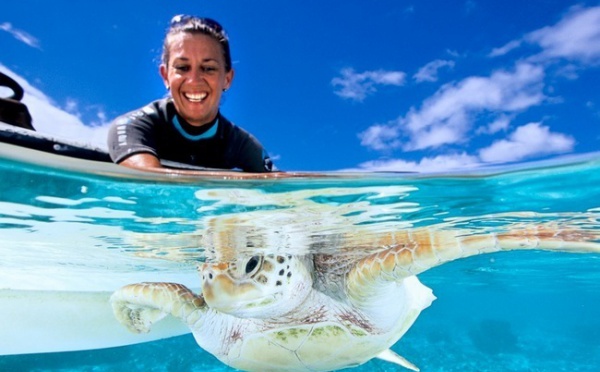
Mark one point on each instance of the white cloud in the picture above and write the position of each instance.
(448, 115)
(505, 49)
(20, 35)
(526, 141)
(575, 37)
(529, 140)
(500, 124)
(429, 72)
(357, 86)
(381, 137)
(52, 120)
(453, 53)
(428, 164)
(72, 106)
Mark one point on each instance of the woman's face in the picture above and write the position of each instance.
(195, 74)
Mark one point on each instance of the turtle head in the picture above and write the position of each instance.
(260, 286)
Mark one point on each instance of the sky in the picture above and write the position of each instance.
(375, 85)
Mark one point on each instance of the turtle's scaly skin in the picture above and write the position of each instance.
(321, 312)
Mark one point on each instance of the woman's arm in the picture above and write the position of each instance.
(149, 162)
(142, 161)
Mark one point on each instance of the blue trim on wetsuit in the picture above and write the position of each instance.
(208, 134)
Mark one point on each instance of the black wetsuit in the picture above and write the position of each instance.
(158, 130)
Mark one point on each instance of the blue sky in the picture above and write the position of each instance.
(329, 85)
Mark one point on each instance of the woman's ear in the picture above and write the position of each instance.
(229, 79)
(163, 73)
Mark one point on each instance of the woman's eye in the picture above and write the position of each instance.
(209, 69)
(182, 68)
(252, 264)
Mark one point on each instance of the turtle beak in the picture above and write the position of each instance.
(223, 293)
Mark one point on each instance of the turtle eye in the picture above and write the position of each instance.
(252, 264)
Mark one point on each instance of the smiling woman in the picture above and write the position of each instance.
(187, 127)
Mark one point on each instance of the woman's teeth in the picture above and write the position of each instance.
(195, 97)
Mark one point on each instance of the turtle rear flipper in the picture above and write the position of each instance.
(390, 356)
(138, 306)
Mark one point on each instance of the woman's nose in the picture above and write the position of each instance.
(197, 75)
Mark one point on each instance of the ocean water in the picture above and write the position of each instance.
(69, 227)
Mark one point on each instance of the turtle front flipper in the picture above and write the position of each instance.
(411, 252)
(138, 306)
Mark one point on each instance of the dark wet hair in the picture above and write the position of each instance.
(197, 25)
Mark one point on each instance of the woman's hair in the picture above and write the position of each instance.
(196, 25)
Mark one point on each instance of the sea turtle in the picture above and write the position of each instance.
(319, 312)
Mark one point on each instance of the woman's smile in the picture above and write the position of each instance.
(195, 97)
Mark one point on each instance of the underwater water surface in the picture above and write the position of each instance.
(95, 230)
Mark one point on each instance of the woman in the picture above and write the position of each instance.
(187, 127)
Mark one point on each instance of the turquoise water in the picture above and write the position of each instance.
(96, 229)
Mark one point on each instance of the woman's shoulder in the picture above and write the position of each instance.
(155, 111)
(229, 128)
(236, 136)
(160, 108)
